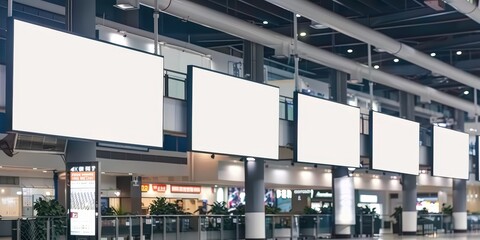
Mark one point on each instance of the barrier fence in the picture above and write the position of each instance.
(207, 227)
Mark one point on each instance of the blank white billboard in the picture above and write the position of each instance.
(450, 153)
(395, 144)
(66, 85)
(231, 115)
(327, 132)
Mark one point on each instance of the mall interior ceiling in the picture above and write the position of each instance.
(440, 31)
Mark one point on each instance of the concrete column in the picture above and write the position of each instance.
(409, 182)
(254, 194)
(253, 62)
(344, 203)
(459, 214)
(80, 17)
(254, 170)
(342, 184)
(339, 86)
(409, 200)
(130, 193)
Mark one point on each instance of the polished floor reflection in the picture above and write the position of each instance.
(458, 236)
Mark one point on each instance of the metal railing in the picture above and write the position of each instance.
(212, 226)
(39, 228)
(206, 227)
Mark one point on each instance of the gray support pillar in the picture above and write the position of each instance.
(254, 193)
(254, 170)
(343, 203)
(342, 184)
(253, 62)
(409, 201)
(409, 182)
(459, 214)
(339, 86)
(130, 194)
(80, 16)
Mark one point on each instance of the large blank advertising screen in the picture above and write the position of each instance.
(231, 115)
(66, 85)
(395, 144)
(327, 132)
(450, 153)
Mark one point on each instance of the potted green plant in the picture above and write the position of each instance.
(218, 208)
(49, 210)
(397, 219)
(160, 206)
(447, 211)
(369, 219)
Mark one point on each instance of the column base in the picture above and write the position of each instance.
(342, 236)
(409, 233)
(459, 230)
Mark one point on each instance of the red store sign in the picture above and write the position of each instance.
(154, 187)
(185, 189)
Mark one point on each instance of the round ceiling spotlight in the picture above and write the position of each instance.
(433, 54)
(303, 34)
(376, 67)
(396, 60)
(265, 22)
(459, 53)
(466, 92)
(350, 50)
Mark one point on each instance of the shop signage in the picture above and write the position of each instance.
(368, 198)
(302, 191)
(153, 187)
(322, 194)
(185, 189)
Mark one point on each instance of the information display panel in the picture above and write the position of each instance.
(326, 132)
(230, 115)
(83, 207)
(71, 86)
(450, 153)
(395, 144)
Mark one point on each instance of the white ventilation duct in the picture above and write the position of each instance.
(353, 29)
(207, 17)
(465, 7)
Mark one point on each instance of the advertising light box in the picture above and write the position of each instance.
(82, 203)
(395, 144)
(327, 132)
(67, 85)
(230, 115)
(450, 153)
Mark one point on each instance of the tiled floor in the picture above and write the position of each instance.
(438, 236)
(395, 237)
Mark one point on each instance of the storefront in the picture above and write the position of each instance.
(191, 198)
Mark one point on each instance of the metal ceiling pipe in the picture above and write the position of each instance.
(466, 8)
(353, 29)
(210, 18)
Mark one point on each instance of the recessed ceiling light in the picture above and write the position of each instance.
(466, 92)
(35, 168)
(459, 52)
(350, 50)
(130, 173)
(265, 22)
(303, 34)
(396, 60)
(376, 67)
(44, 171)
(433, 54)
(1, 166)
(250, 159)
(103, 172)
(298, 15)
